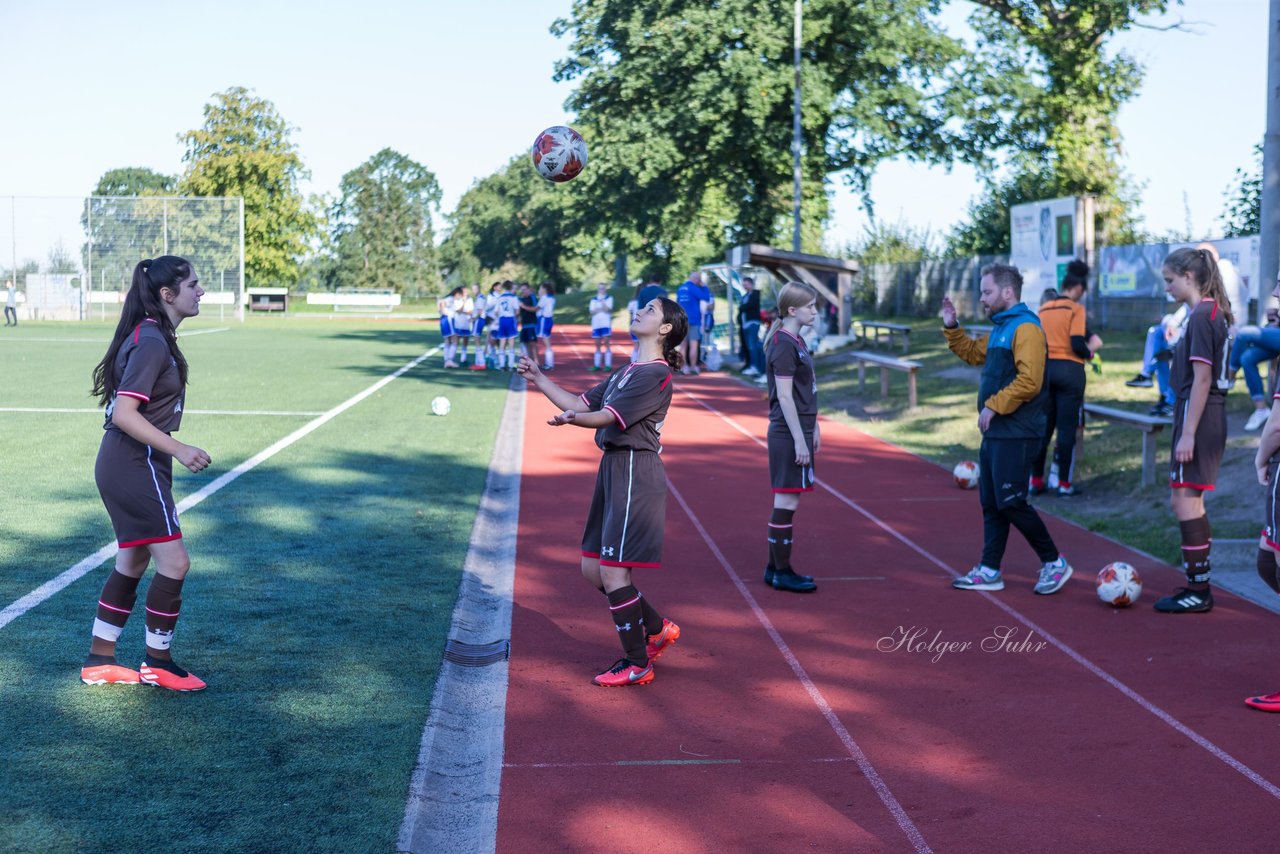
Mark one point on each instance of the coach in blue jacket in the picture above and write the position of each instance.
(1011, 416)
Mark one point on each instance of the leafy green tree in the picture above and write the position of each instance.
(382, 225)
(687, 106)
(243, 149)
(120, 228)
(61, 260)
(1243, 213)
(1041, 80)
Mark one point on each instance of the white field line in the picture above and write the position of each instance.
(877, 782)
(98, 411)
(93, 561)
(204, 331)
(1202, 742)
(24, 339)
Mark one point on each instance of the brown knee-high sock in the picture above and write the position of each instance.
(780, 536)
(628, 619)
(164, 601)
(1268, 569)
(1195, 550)
(650, 617)
(114, 606)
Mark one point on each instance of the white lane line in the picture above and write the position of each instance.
(204, 331)
(93, 561)
(24, 339)
(98, 411)
(877, 782)
(1217, 752)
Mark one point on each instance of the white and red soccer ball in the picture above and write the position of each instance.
(966, 474)
(1119, 584)
(559, 154)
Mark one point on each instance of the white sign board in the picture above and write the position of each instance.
(1044, 237)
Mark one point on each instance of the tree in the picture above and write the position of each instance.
(382, 225)
(1242, 215)
(243, 149)
(120, 227)
(1041, 80)
(61, 260)
(687, 105)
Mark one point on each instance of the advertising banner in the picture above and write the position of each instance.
(1136, 271)
(1044, 237)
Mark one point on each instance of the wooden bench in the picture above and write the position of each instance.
(1150, 426)
(892, 330)
(886, 364)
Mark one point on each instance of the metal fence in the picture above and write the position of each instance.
(73, 258)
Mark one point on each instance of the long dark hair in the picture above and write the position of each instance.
(141, 302)
(1203, 267)
(672, 313)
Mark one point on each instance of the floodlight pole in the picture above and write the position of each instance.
(795, 132)
(1269, 226)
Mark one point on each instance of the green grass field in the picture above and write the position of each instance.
(321, 588)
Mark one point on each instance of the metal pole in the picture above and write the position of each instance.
(165, 224)
(795, 132)
(242, 270)
(1269, 237)
(13, 236)
(87, 313)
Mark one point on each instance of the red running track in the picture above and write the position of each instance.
(786, 722)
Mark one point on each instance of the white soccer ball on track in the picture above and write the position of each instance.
(1119, 584)
(440, 406)
(966, 474)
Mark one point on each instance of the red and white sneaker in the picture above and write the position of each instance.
(625, 673)
(1267, 702)
(663, 640)
(171, 676)
(108, 674)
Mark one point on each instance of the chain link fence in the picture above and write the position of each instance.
(73, 258)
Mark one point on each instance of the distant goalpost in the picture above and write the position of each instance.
(73, 258)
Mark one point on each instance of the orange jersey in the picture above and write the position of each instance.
(1062, 319)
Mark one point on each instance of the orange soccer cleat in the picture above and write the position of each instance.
(1267, 702)
(108, 674)
(169, 675)
(625, 673)
(663, 640)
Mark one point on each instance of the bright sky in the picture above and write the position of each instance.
(460, 87)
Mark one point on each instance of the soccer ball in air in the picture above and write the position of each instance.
(559, 153)
(440, 406)
(966, 474)
(1119, 584)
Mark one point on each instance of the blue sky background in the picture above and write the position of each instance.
(460, 87)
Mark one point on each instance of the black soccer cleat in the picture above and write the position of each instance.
(1186, 601)
(789, 580)
(770, 572)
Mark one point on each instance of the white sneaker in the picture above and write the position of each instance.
(751, 372)
(1256, 420)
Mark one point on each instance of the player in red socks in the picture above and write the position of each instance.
(625, 524)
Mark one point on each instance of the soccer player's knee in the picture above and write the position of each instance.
(1268, 570)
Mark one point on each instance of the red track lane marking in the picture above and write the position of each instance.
(621, 763)
(868, 770)
(1247, 772)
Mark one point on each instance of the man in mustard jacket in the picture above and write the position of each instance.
(1011, 416)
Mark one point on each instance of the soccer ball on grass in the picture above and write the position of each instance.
(440, 406)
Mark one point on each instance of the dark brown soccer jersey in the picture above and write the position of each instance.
(789, 358)
(1204, 341)
(148, 373)
(638, 396)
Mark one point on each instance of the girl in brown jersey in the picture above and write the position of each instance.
(625, 523)
(142, 383)
(1200, 380)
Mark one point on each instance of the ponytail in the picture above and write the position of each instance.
(1202, 267)
(673, 314)
(143, 301)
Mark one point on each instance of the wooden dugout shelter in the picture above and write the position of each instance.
(815, 270)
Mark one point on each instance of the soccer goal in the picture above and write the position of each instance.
(73, 258)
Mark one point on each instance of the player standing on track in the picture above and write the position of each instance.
(628, 509)
(793, 436)
(142, 382)
(1011, 416)
(1267, 463)
(601, 311)
(1200, 380)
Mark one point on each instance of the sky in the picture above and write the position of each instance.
(461, 87)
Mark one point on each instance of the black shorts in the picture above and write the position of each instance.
(628, 510)
(528, 334)
(1270, 524)
(136, 485)
(784, 474)
(1211, 440)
